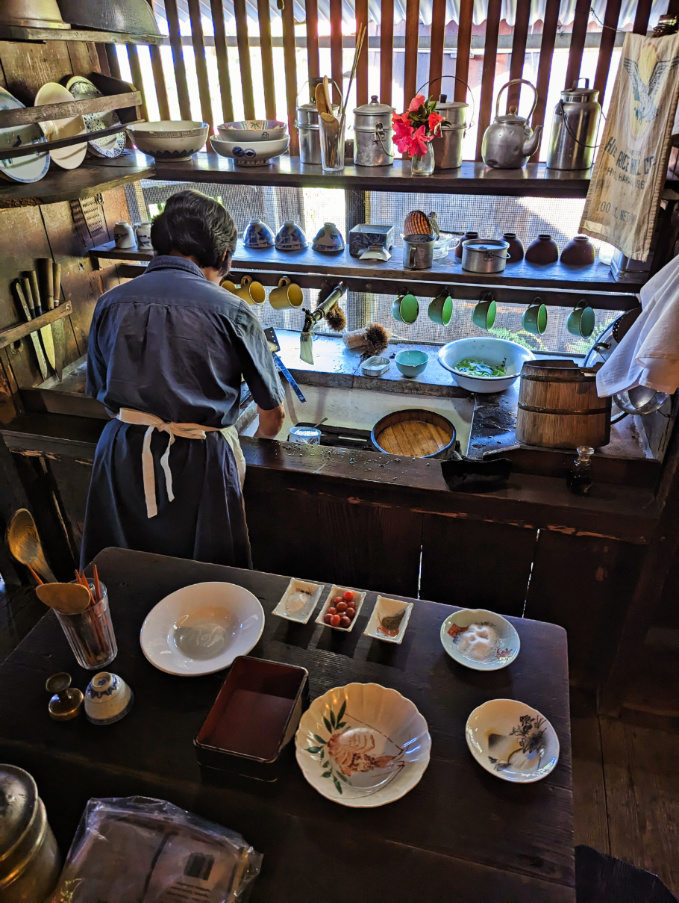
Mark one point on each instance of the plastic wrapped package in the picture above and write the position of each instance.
(142, 850)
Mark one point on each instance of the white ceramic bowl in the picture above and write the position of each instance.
(466, 647)
(362, 745)
(201, 629)
(250, 153)
(253, 130)
(492, 351)
(169, 140)
(107, 698)
(512, 741)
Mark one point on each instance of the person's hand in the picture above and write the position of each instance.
(270, 422)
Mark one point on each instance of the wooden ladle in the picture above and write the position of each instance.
(66, 598)
(24, 544)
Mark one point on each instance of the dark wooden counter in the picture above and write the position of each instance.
(461, 835)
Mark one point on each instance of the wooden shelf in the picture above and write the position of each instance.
(20, 33)
(44, 113)
(21, 330)
(556, 284)
(65, 185)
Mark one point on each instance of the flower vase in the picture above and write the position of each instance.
(424, 165)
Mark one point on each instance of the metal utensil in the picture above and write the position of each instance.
(46, 335)
(24, 543)
(35, 339)
(66, 598)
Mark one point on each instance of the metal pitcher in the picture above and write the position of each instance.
(418, 252)
(509, 141)
(576, 120)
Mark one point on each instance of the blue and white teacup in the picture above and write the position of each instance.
(328, 239)
(258, 235)
(291, 237)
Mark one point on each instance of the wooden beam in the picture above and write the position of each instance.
(521, 25)
(386, 50)
(201, 63)
(217, 9)
(336, 64)
(438, 34)
(137, 78)
(289, 54)
(268, 78)
(313, 57)
(244, 57)
(14, 333)
(488, 72)
(178, 58)
(549, 26)
(603, 65)
(74, 107)
(112, 57)
(642, 16)
(412, 37)
(464, 43)
(578, 35)
(159, 76)
(362, 69)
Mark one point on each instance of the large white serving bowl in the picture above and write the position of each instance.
(253, 130)
(169, 140)
(200, 629)
(251, 153)
(362, 745)
(492, 351)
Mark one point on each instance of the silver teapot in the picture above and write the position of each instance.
(509, 141)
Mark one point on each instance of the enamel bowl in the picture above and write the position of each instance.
(250, 153)
(512, 741)
(362, 745)
(200, 629)
(169, 140)
(468, 636)
(253, 130)
(490, 350)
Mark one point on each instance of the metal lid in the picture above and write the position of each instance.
(486, 244)
(444, 104)
(18, 800)
(374, 107)
(580, 95)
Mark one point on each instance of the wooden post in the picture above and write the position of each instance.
(578, 36)
(362, 70)
(464, 45)
(412, 43)
(488, 75)
(518, 50)
(221, 50)
(606, 47)
(438, 34)
(386, 50)
(313, 57)
(290, 55)
(138, 81)
(178, 58)
(336, 64)
(243, 41)
(201, 63)
(549, 27)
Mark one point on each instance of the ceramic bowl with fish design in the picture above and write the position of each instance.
(512, 741)
(362, 745)
(479, 639)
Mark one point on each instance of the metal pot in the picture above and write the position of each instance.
(130, 16)
(31, 14)
(576, 120)
(448, 147)
(484, 255)
(455, 111)
(373, 130)
(29, 856)
(308, 125)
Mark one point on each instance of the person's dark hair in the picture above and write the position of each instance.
(195, 225)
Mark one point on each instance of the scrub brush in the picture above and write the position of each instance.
(335, 316)
(373, 339)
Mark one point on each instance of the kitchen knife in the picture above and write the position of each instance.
(42, 301)
(274, 346)
(25, 309)
(58, 325)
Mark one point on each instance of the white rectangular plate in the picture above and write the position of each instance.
(337, 590)
(302, 616)
(385, 606)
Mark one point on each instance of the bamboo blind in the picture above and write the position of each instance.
(301, 38)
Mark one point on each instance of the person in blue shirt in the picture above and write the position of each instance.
(167, 355)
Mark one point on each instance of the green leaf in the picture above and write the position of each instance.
(327, 725)
(332, 718)
(338, 786)
(326, 774)
(346, 780)
(313, 749)
(320, 739)
(341, 724)
(342, 710)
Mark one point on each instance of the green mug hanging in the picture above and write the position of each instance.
(483, 315)
(441, 309)
(580, 321)
(405, 308)
(535, 317)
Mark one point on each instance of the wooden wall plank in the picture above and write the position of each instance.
(521, 26)
(606, 47)
(410, 85)
(178, 58)
(488, 76)
(290, 56)
(438, 34)
(464, 44)
(362, 69)
(243, 41)
(578, 35)
(218, 24)
(113, 64)
(642, 16)
(475, 564)
(549, 27)
(268, 78)
(201, 63)
(137, 78)
(313, 56)
(589, 790)
(159, 76)
(336, 64)
(386, 50)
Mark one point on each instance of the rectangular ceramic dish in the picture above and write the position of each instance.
(253, 719)
(335, 591)
(385, 607)
(287, 607)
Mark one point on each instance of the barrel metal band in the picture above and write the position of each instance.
(536, 410)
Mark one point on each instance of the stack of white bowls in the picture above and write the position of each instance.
(252, 142)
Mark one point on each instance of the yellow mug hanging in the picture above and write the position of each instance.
(288, 294)
(249, 290)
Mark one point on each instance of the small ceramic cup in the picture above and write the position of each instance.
(124, 236)
(107, 698)
(441, 309)
(580, 321)
(483, 315)
(249, 290)
(328, 239)
(411, 363)
(405, 308)
(258, 236)
(288, 294)
(535, 318)
(143, 231)
(291, 237)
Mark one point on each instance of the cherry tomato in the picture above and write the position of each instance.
(336, 599)
(348, 596)
(341, 607)
(345, 621)
(350, 612)
(331, 611)
(328, 619)
(335, 620)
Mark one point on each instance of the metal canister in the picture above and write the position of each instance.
(484, 255)
(373, 130)
(574, 130)
(308, 125)
(448, 145)
(29, 856)
(454, 111)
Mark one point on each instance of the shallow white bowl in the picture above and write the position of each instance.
(368, 727)
(253, 130)
(201, 629)
(512, 741)
(250, 153)
(493, 351)
(505, 650)
(167, 140)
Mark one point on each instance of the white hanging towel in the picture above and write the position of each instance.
(648, 355)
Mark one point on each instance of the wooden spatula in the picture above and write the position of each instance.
(66, 598)
(321, 105)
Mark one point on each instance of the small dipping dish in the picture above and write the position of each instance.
(411, 363)
(375, 365)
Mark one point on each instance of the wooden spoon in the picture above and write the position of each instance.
(326, 92)
(66, 598)
(24, 543)
(321, 105)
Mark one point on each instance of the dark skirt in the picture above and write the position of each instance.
(206, 520)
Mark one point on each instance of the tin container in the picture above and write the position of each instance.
(448, 147)
(454, 111)
(29, 857)
(373, 129)
(308, 125)
(304, 435)
(485, 255)
(574, 129)
(254, 717)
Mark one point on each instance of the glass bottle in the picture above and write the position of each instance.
(579, 477)
(424, 165)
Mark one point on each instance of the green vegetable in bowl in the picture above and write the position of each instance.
(480, 368)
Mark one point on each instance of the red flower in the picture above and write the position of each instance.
(416, 103)
(400, 118)
(402, 142)
(434, 122)
(418, 142)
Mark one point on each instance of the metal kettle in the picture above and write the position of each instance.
(509, 141)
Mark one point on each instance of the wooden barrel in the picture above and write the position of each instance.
(559, 406)
(413, 434)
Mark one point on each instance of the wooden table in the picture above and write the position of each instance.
(462, 835)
